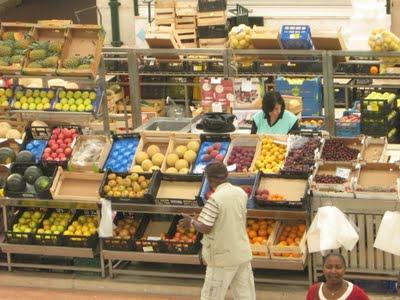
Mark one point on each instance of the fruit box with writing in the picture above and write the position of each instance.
(346, 150)
(241, 153)
(289, 243)
(261, 233)
(271, 190)
(176, 189)
(325, 181)
(377, 181)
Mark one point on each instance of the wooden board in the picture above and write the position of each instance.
(374, 150)
(211, 18)
(164, 4)
(185, 8)
(186, 36)
(212, 43)
(164, 16)
(185, 23)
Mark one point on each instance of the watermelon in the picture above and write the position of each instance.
(32, 173)
(16, 183)
(25, 157)
(42, 184)
(7, 155)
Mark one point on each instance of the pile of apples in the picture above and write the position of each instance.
(258, 231)
(350, 119)
(59, 147)
(242, 157)
(264, 194)
(213, 153)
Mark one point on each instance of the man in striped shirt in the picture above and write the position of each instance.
(226, 248)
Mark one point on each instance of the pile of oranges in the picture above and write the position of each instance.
(290, 236)
(276, 197)
(259, 231)
(271, 158)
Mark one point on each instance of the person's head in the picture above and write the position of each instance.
(216, 173)
(273, 104)
(334, 267)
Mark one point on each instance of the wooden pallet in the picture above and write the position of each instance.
(164, 4)
(211, 18)
(212, 43)
(187, 37)
(164, 16)
(185, 8)
(185, 23)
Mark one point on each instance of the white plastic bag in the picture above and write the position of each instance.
(387, 238)
(106, 221)
(330, 230)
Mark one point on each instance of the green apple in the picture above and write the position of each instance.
(4, 104)
(39, 106)
(65, 107)
(79, 101)
(92, 96)
(38, 100)
(81, 107)
(85, 95)
(77, 94)
(43, 94)
(17, 105)
(9, 92)
(45, 100)
(60, 228)
(2, 92)
(64, 101)
(62, 94)
(19, 94)
(26, 215)
(25, 106)
(40, 231)
(36, 93)
(89, 107)
(32, 224)
(31, 100)
(71, 101)
(59, 106)
(32, 106)
(46, 106)
(53, 228)
(70, 94)
(73, 107)
(28, 93)
(50, 94)
(23, 99)
(87, 102)
(3, 98)
(27, 230)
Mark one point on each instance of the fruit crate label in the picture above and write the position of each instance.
(231, 168)
(154, 238)
(197, 68)
(148, 249)
(343, 172)
(295, 35)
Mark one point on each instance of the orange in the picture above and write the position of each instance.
(300, 234)
(297, 255)
(302, 228)
(286, 254)
(292, 236)
(289, 241)
(297, 240)
(269, 230)
(262, 232)
(282, 238)
(374, 70)
(277, 254)
(283, 243)
(252, 234)
(287, 228)
(263, 223)
(259, 239)
(255, 226)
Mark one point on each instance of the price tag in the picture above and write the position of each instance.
(216, 80)
(197, 68)
(343, 173)
(154, 238)
(246, 86)
(231, 168)
(148, 249)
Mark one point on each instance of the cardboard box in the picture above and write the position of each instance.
(374, 149)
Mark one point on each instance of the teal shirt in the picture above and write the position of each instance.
(282, 126)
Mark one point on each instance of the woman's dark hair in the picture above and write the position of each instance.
(334, 254)
(271, 99)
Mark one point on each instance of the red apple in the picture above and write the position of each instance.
(219, 157)
(54, 147)
(56, 131)
(61, 136)
(54, 155)
(210, 149)
(47, 150)
(68, 140)
(217, 146)
(60, 141)
(61, 154)
(59, 150)
(206, 157)
(62, 146)
(67, 151)
(68, 134)
(54, 137)
(214, 153)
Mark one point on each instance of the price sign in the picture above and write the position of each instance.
(343, 173)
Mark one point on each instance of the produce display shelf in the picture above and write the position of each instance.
(47, 250)
(366, 76)
(279, 74)
(87, 80)
(152, 257)
(182, 74)
(58, 115)
(67, 204)
(262, 263)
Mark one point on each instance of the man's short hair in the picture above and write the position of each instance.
(216, 170)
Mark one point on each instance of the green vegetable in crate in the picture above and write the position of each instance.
(42, 184)
(16, 183)
(7, 155)
(32, 173)
(5, 49)
(16, 59)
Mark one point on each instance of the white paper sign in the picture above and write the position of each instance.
(216, 80)
(246, 86)
(343, 173)
(148, 249)
(231, 168)
(154, 238)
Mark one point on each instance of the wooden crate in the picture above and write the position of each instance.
(65, 186)
(176, 140)
(161, 139)
(185, 8)
(44, 33)
(82, 40)
(55, 23)
(185, 23)
(212, 43)
(187, 38)
(164, 16)
(262, 251)
(162, 37)
(211, 18)
(164, 4)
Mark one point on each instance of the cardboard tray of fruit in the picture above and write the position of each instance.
(270, 156)
(84, 237)
(20, 234)
(37, 99)
(241, 153)
(79, 100)
(377, 181)
(126, 225)
(333, 180)
(90, 153)
(132, 188)
(6, 98)
(60, 145)
(122, 152)
(49, 233)
(374, 149)
(289, 243)
(346, 150)
(261, 233)
(312, 124)
(35, 141)
(150, 152)
(213, 147)
(176, 189)
(245, 182)
(272, 190)
(30, 181)
(181, 153)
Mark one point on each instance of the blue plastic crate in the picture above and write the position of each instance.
(296, 37)
(347, 129)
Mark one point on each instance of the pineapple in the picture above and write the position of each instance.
(84, 67)
(50, 62)
(5, 61)
(5, 50)
(17, 59)
(9, 35)
(71, 63)
(38, 54)
(19, 51)
(55, 47)
(22, 44)
(35, 64)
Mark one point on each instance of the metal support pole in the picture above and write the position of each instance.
(5, 230)
(329, 96)
(227, 59)
(134, 89)
(116, 37)
(103, 86)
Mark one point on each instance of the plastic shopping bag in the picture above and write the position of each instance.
(387, 238)
(106, 222)
(330, 230)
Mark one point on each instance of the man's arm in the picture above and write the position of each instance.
(205, 221)
(187, 221)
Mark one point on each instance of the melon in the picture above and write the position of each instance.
(147, 164)
(184, 171)
(13, 134)
(157, 159)
(7, 156)
(42, 184)
(141, 156)
(154, 168)
(172, 158)
(152, 150)
(137, 169)
(180, 150)
(190, 156)
(180, 164)
(15, 183)
(25, 157)
(38, 123)
(171, 170)
(32, 173)
(4, 128)
(193, 145)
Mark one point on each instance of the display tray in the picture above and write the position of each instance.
(76, 186)
(96, 102)
(24, 89)
(354, 143)
(377, 181)
(176, 189)
(344, 189)
(259, 243)
(293, 189)
(35, 140)
(374, 149)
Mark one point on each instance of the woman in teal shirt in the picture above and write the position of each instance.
(274, 119)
